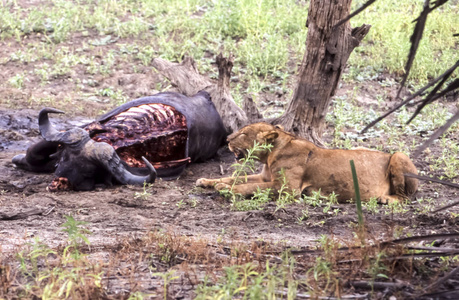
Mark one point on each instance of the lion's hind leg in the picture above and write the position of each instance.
(401, 187)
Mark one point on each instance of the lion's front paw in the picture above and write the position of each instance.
(222, 186)
(203, 182)
(386, 199)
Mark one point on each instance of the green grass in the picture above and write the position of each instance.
(251, 281)
(267, 37)
(387, 44)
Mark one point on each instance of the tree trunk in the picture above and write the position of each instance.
(327, 51)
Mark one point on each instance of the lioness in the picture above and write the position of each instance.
(309, 168)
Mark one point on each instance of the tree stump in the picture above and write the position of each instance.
(187, 79)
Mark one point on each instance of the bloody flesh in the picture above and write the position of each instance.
(156, 131)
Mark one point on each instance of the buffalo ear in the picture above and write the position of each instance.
(268, 136)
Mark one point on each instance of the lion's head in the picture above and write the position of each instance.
(260, 133)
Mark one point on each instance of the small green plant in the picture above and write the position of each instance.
(377, 268)
(193, 202)
(316, 199)
(241, 170)
(322, 271)
(77, 235)
(167, 278)
(145, 194)
(258, 200)
(43, 72)
(249, 281)
(286, 196)
(29, 262)
(304, 216)
(17, 81)
(396, 208)
(372, 205)
(248, 163)
(180, 204)
(67, 275)
(426, 205)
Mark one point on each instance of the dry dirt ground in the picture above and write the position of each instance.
(116, 213)
(28, 210)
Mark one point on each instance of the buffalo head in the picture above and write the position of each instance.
(78, 160)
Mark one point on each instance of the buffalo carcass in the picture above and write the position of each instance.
(168, 129)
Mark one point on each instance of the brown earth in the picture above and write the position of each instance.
(114, 214)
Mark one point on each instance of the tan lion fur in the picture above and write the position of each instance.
(309, 168)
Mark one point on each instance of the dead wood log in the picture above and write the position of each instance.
(187, 79)
(443, 279)
(377, 285)
(24, 214)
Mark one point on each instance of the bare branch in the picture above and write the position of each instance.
(437, 134)
(359, 10)
(415, 39)
(443, 279)
(419, 92)
(429, 237)
(433, 95)
(445, 207)
(433, 179)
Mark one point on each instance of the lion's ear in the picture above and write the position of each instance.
(278, 126)
(268, 136)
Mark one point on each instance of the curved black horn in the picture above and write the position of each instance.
(118, 170)
(152, 175)
(47, 130)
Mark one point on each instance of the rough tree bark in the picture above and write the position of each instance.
(187, 79)
(327, 51)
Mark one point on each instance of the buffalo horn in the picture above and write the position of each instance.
(124, 176)
(48, 132)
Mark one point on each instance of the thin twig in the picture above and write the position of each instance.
(434, 95)
(436, 134)
(377, 285)
(445, 207)
(404, 256)
(308, 296)
(443, 279)
(439, 249)
(433, 179)
(21, 215)
(415, 39)
(407, 240)
(356, 12)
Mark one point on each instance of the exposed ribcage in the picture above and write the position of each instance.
(156, 131)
